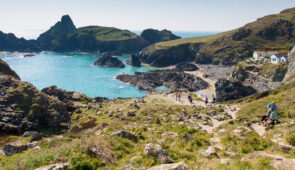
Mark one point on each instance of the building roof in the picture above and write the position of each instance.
(281, 55)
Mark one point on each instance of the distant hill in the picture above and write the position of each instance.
(228, 47)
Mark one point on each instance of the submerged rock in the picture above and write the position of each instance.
(109, 61)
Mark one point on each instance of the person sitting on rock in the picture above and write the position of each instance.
(271, 106)
(273, 116)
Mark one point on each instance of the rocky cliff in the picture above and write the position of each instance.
(23, 107)
(154, 36)
(290, 76)
(109, 61)
(6, 70)
(58, 31)
(9, 42)
(230, 47)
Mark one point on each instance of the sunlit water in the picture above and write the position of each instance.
(74, 72)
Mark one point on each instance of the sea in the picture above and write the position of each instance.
(76, 72)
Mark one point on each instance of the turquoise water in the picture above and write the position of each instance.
(162, 88)
(74, 73)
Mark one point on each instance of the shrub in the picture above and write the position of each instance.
(84, 162)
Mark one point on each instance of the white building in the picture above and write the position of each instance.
(258, 54)
(278, 58)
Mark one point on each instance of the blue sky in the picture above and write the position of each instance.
(28, 18)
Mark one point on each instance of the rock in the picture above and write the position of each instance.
(75, 130)
(33, 145)
(13, 148)
(89, 123)
(130, 167)
(290, 75)
(186, 67)
(5, 69)
(174, 80)
(231, 90)
(109, 61)
(34, 135)
(134, 61)
(101, 153)
(287, 164)
(57, 166)
(240, 34)
(156, 150)
(175, 166)
(210, 152)
(224, 161)
(125, 134)
(39, 111)
(131, 114)
(221, 130)
(153, 36)
(60, 29)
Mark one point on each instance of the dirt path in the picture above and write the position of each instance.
(259, 129)
(211, 88)
(184, 101)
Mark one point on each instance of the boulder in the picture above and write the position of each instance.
(156, 150)
(101, 153)
(13, 148)
(130, 167)
(186, 67)
(230, 90)
(109, 61)
(134, 61)
(125, 134)
(57, 166)
(175, 166)
(34, 135)
(210, 152)
(89, 123)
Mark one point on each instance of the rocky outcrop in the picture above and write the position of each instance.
(58, 31)
(240, 34)
(153, 36)
(109, 61)
(134, 61)
(174, 80)
(125, 134)
(101, 153)
(9, 42)
(6, 70)
(231, 90)
(175, 166)
(290, 75)
(25, 108)
(157, 151)
(13, 148)
(186, 67)
(278, 27)
(33, 135)
(171, 56)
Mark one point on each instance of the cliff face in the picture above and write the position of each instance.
(6, 70)
(230, 47)
(290, 76)
(9, 42)
(59, 30)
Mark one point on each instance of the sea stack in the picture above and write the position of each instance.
(109, 61)
(134, 61)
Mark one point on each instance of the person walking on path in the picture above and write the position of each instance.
(179, 96)
(206, 100)
(176, 95)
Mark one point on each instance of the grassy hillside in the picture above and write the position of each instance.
(105, 33)
(232, 46)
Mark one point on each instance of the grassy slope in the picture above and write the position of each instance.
(254, 26)
(105, 33)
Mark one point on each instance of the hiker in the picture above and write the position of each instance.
(270, 106)
(190, 98)
(206, 101)
(273, 116)
(141, 100)
(213, 99)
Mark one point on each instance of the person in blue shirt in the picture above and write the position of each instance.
(270, 106)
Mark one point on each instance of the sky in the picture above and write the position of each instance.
(29, 18)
